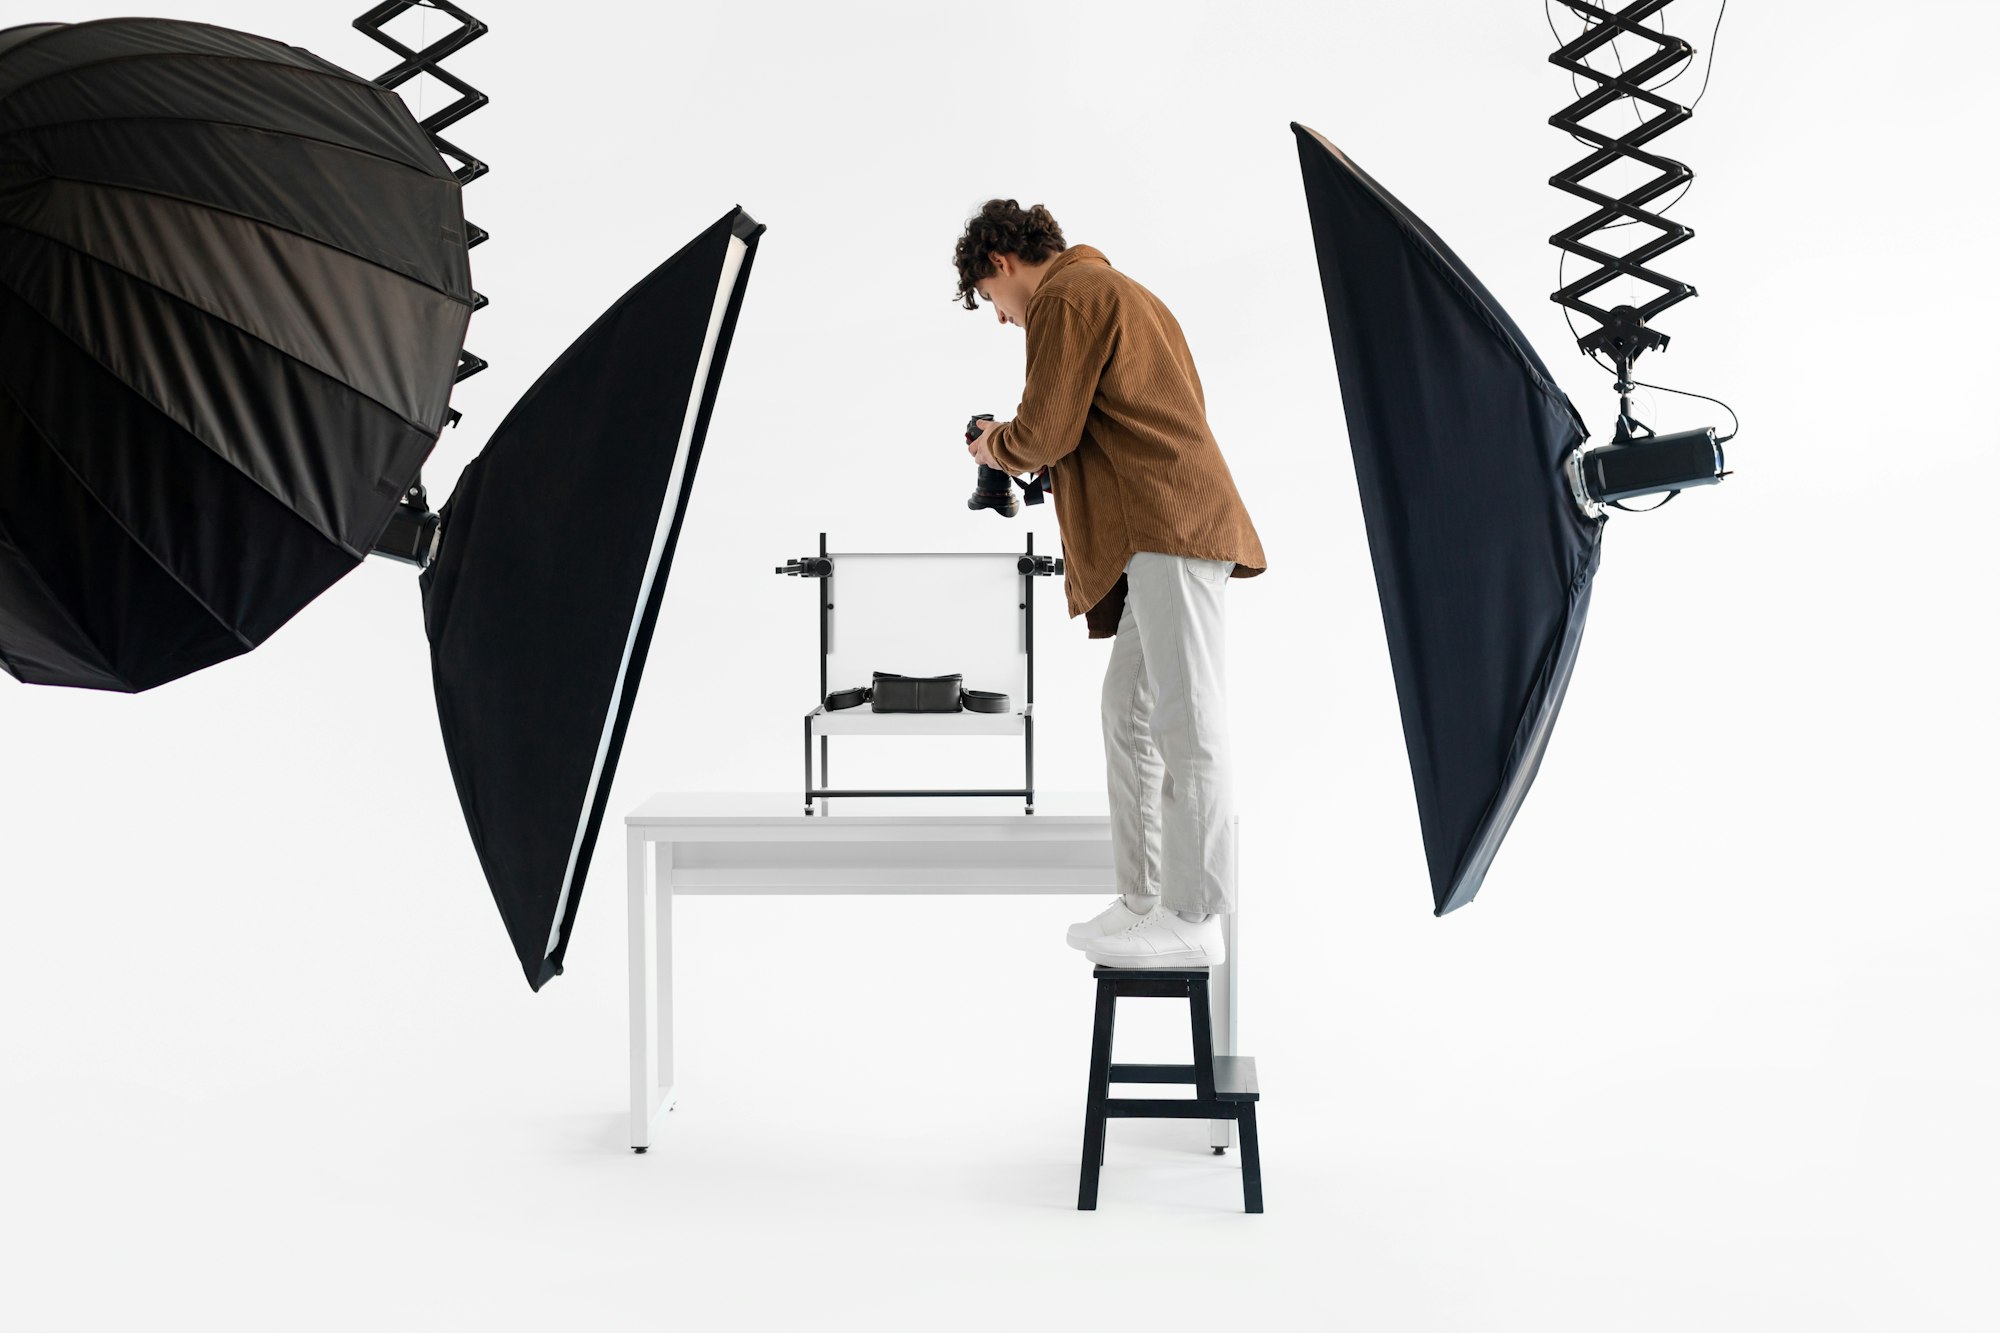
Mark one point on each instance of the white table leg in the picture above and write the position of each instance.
(663, 968)
(1222, 1010)
(651, 995)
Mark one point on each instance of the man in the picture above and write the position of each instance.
(1152, 532)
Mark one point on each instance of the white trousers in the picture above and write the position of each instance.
(1166, 736)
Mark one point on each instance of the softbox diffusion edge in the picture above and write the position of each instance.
(1482, 560)
(554, 557)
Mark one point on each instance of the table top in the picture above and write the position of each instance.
(771, 807)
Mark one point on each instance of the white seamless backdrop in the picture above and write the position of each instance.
(1713, 1049)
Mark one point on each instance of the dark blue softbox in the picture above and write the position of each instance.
(1482, 559)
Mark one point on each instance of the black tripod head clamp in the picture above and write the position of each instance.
(1622, 336)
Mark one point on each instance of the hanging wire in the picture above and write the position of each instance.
(1734, 424)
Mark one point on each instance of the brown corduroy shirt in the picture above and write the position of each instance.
(1113, 407)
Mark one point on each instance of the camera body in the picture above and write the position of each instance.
(994, 488)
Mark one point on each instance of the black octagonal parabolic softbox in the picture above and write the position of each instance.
(552, 562)
(1483, 562)
(233, 288)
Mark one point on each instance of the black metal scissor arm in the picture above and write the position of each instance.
(1623, 331)
(469, 99)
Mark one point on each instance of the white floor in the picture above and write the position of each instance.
(309, 1141)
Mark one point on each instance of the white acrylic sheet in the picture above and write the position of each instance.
(929, 614)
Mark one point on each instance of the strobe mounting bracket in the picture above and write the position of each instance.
(1623, 335)
(413, 532)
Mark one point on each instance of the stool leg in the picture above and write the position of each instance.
(1253, 1166)
(1203, 1036)
(1100, 1092)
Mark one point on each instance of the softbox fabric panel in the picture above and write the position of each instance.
(233, 288)
(1482, 560)
(553, 559)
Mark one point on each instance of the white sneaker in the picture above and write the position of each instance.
(1161, 939)
(1111, 920)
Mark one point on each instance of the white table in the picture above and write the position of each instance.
(759, 843)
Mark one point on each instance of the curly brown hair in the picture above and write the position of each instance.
(1003, 227)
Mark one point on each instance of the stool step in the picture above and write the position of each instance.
(1235, 1078)
(1100, 971)
(1152, 1073)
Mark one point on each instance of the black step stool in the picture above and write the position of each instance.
(1225, 1086)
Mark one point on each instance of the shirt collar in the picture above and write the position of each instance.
(1075, 254)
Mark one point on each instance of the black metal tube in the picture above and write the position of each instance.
(1028, 607)
(825, 605)
(1028, 729)
(934, 791)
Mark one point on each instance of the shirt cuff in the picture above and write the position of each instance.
(996, 444)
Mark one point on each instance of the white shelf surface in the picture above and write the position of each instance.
(671, 814)
(864, 721)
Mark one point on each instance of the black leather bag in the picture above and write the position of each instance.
(916, 694)
(919, 694)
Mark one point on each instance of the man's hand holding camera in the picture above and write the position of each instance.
(977, 448)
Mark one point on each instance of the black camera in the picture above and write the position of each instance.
(995, 488)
